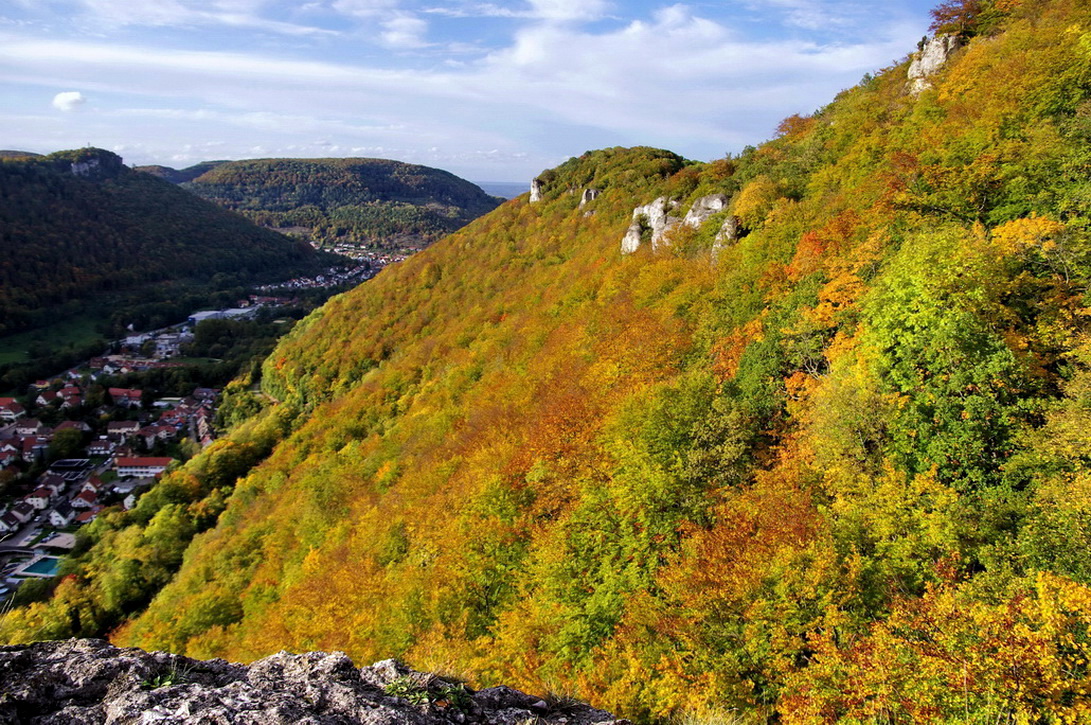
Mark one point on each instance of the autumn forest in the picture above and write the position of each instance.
(831, 467)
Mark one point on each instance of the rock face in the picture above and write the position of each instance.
(91, 681)
(703, 208)
(589, 195)
(653, 217)
(933, 56)
(536, 187)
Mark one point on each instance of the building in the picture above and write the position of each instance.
(121, 429)
(141, 467)
(126, 397)
(12, 411)
(62, 515)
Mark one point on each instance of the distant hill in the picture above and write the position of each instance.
(387, 205)
(179, 176)
(76, 225)
(10, 154)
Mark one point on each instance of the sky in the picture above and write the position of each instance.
(491, 91)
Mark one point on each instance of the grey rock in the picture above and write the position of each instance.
(928, 61)
(588, 196)
(728, 234)
(703, 208)
(654, 216)
(93, 682)
(536, 189)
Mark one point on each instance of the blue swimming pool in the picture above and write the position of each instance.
(46, 566)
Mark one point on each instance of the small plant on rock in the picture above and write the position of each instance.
(408, 689)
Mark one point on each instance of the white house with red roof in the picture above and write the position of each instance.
(84, 500)
(143, 467)
(40, 498)
(88, 516)
(126, 397)
(11, 411)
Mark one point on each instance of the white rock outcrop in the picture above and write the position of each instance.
(927, 62)
(589, 195)
(85, 168)
(654, 217)
(536, 188)
(703, 208)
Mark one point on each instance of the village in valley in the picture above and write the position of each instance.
(76, 444)
(72, 447)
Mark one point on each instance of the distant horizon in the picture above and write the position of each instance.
(483, 90)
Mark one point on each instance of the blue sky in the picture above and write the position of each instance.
(492, 91)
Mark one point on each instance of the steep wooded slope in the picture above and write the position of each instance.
(834, 470)
(385, 204)
(77, 223)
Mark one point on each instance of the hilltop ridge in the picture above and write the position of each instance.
(377, 203)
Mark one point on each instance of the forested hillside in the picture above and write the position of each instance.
(76, 224)
(821, 456)
(387, 205)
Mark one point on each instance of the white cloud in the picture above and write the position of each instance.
(674, 78)
(111, 14)
(364, 8)
(68, 101)
(404, 31)
(566, 10)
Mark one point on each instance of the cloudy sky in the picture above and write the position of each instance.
(493, 91)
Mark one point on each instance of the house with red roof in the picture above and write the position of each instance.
(88, 516)
(126, 397)
(84, 500)
(40, 498)
(141, 467)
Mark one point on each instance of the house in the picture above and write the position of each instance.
(126, 397)
(206, 394)
(29, 427)
(62, 515)
(40, 498)
(154, 433)
(22, 511)
(88, 516)
(34, 448)
(84, 500)
(9, 522)
(122, 429)
(48, 396)
(8, 458)
(53, 482)
(94, 485)
(73, 425)
(141, 467)
(100, 448)
(11, 412)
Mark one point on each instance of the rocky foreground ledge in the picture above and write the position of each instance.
(82, 681)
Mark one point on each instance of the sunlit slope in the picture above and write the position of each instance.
(834, 469)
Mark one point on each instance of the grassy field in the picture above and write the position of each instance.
(74, 331)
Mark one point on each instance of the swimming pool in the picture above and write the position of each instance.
(46, 566)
